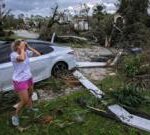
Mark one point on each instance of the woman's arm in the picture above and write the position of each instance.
(34, 50)
(22, 55)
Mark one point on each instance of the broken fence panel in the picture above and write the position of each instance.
(129, 119)
(89, 85)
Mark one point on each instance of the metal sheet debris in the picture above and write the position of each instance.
(91, 64)
(121, 113)
(89, 85)
(129, 119)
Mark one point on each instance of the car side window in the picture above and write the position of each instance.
(43, 48)
(5, 50)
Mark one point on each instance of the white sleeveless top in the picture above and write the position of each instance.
(22, 70)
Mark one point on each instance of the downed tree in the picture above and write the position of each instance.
(75, 39)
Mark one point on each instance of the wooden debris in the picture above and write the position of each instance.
(46, 119)
(70, 80)
(89, 85)
(116, 58)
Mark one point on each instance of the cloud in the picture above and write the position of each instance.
(110, 7)
(43, 7)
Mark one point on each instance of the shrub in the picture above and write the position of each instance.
(128, 95)
(131, 65)
(135, 65)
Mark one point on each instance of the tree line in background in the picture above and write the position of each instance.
(128, 27)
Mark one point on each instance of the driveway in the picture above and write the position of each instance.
(26, 34)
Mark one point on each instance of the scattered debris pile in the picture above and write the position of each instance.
(70, 80)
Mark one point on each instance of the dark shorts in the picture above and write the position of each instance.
(22, 85)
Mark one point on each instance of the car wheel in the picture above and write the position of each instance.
(59, 69)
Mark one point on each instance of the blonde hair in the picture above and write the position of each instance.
(16, 44)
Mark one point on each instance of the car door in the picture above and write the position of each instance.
(6, 71)
(6, 68)
(40, 66)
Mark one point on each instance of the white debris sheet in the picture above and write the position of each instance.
(91, 64)
(129, 119)
(121, 113)
(89, 85)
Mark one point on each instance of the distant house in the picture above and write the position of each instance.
(81, 23)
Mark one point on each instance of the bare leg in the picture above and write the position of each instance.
(24, 99)
(30, 91)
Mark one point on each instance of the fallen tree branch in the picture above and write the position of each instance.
(73, 37)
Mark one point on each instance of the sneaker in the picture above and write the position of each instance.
(15, 120)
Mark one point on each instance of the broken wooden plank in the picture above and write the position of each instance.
(90, 64)
(129, 119)
(89, 85)
(116, 58)
(99, 64)
(53, 38)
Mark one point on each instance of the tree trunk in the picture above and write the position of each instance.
(108, 41)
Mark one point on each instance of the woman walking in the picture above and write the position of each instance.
(22, 77)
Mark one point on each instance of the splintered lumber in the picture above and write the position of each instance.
(114, 62)
(91, 64)
(89, 85)
(99, 64)
(53, 38)
(129, 119)
(71, 81)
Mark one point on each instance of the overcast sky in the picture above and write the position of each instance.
(43, 7)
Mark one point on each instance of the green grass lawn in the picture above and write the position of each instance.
(114, 83)
(65, 121)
